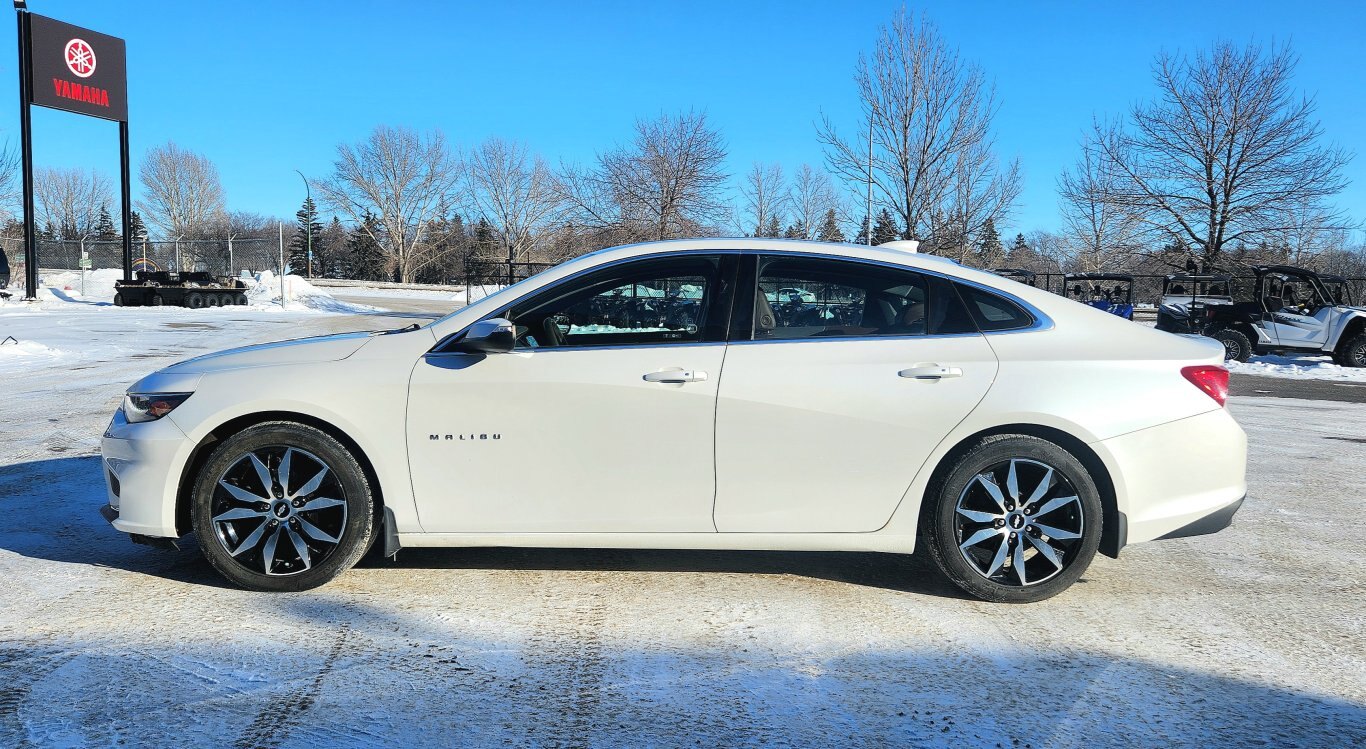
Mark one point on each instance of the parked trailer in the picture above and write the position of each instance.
(193, 290)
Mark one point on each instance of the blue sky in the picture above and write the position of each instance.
(264, 88)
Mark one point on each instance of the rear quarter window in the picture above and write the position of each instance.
(993, 312)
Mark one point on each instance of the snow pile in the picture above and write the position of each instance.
(65, 286)
(1309, 367)
(300, 295)
(19, 354)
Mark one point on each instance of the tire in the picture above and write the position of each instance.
(194, 300)
(960, 507)
(1236, 345)
(118, 299)
(157, 301)
(286, 546)
(239, 299)
(1353, 352)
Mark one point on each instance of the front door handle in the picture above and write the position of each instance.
(931, 372)
(677, 376)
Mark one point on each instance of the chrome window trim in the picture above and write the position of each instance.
(1041, 321)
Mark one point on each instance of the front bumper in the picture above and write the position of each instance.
(142, 465)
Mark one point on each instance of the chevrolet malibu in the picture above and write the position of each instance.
(654, 396)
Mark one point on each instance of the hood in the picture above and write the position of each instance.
(297, 351)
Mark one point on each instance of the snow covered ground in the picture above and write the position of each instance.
(1250, 636)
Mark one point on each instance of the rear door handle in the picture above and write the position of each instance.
(931, 372)
(677, 376)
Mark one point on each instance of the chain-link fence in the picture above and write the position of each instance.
(220, 257)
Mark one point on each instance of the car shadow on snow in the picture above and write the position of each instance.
(898, 572)
(60, 521)
(52, 508)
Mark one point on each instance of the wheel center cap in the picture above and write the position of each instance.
(281, 509)
(1016, 521)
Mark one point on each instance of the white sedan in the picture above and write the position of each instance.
(1012, 432)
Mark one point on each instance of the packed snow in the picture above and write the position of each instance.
(1252, 636)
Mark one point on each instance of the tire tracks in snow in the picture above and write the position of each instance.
(272, 723)
(565, 652)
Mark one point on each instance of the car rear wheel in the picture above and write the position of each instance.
(282, 507)
(1236, 345)
(1016, 520)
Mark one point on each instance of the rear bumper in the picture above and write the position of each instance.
(1211, 523)
(1184, 478)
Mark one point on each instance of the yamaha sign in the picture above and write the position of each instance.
(77, 69)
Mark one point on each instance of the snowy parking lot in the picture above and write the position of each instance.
(1253, 636)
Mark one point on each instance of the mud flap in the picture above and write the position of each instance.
(390, 535)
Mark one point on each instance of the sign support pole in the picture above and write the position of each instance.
(26, 149)
(127, 190)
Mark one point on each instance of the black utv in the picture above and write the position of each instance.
(1185, 297)
(1288, 310)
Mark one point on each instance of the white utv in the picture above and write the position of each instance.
(1291, 310)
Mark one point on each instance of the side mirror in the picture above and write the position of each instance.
(492, 336)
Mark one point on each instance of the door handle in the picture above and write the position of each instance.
(677, 376)
(931, 372)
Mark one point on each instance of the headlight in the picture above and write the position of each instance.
(139, 407)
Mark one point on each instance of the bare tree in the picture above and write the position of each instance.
(9, 180)
(69, 200)
(812, 196)
(666, 184)
(929, 115)
(406, 180)
(765, 195)
(516, 192)
(181, 190)
(1227, 152)
(1103, 234)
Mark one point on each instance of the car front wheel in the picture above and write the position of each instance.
(1016, 520)
(282, 507)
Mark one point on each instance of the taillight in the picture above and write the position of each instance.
(1209, 378)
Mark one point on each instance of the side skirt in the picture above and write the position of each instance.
(893, 544)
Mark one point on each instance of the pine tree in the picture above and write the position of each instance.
(1020, 253)
(138, 229)
(299, 262)
(774, 229)
(795, 231)
(989, 248)
(338, 264)
(104, 226)
(862, 237)
(885, 229)
(367, 257)
(829, 230)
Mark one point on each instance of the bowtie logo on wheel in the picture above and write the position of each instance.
(80, 58)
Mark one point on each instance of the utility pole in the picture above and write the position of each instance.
(308, 228)
(282, 265)
(868, 217)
